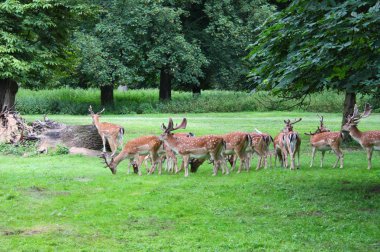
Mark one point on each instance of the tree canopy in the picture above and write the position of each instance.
(313, 45)
(34, 38)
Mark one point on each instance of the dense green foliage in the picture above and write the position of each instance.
(34, 38)
(313, 45)
(70, 203)
(194, 41)
(143, 101)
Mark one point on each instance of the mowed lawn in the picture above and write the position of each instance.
(71, 203)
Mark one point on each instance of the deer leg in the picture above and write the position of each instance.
(259, 160)
(292, 157)
(369, 157)
(323, 156)
(341, 157)
(104, 143)
(298, 159)
(313, 150)
(186, 164)
(338, 154)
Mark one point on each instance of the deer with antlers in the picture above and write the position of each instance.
(195, 147)
(108, 131)
(141, 146)
(369, 140)
(323, 140)
(288, 142)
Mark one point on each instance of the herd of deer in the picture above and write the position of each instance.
(231, 146)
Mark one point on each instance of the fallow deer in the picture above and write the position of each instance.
(236, 145)
(108, 131)
(369, 140)
(288, 142)
(260, 145)
(323, 140)
(195, 147)
(141, 146)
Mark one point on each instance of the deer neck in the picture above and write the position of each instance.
(96, 123)
(172, 142)
(355, 133)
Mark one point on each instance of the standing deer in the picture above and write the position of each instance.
(323, 140)
(260, 145)
(288, 142)
(369, 140)
(195, 147)
(133, 149)
(108, 131)
(236, 145)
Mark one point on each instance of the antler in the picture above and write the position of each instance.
(90, 110)
(295, 121)
(367, 110)
(170, 125)
(101, 111)
(356, 116)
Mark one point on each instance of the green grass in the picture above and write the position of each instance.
(68, 203)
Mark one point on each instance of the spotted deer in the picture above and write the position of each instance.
(260, 145)
(369, 140)
(236, 145)
(288, 143)
(204, 147)
(133, 149)
(323, 140)
(108, 131)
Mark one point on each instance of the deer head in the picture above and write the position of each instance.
(354, 119)
(289, 124)
(109, 164)
(95, 116)
(321, 128)
(167, 130)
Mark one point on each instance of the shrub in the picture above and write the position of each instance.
(142, 101)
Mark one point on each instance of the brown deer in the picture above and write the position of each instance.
(195, 147)
(166, 153)
(288, 142)
(133, 149)
(108, 131)
(236, 145)
(323, 140)
(260, 145)
(369, 140)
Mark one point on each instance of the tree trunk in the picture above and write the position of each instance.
(348, 106)
(165, 85)
(81, 136)
(196, 91)
(8, 90)
(106, 95)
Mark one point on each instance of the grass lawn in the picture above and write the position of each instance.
(67, 203)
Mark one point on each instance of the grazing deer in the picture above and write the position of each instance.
(166, 153)
(323, 140)
(141, 146)
(236, 145)
(108, 131)
(260, 145)
(288, 142)
(195, 147)
(369, 140)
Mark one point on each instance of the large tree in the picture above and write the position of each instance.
(314, 45)
(139, 42)
(33, 41)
